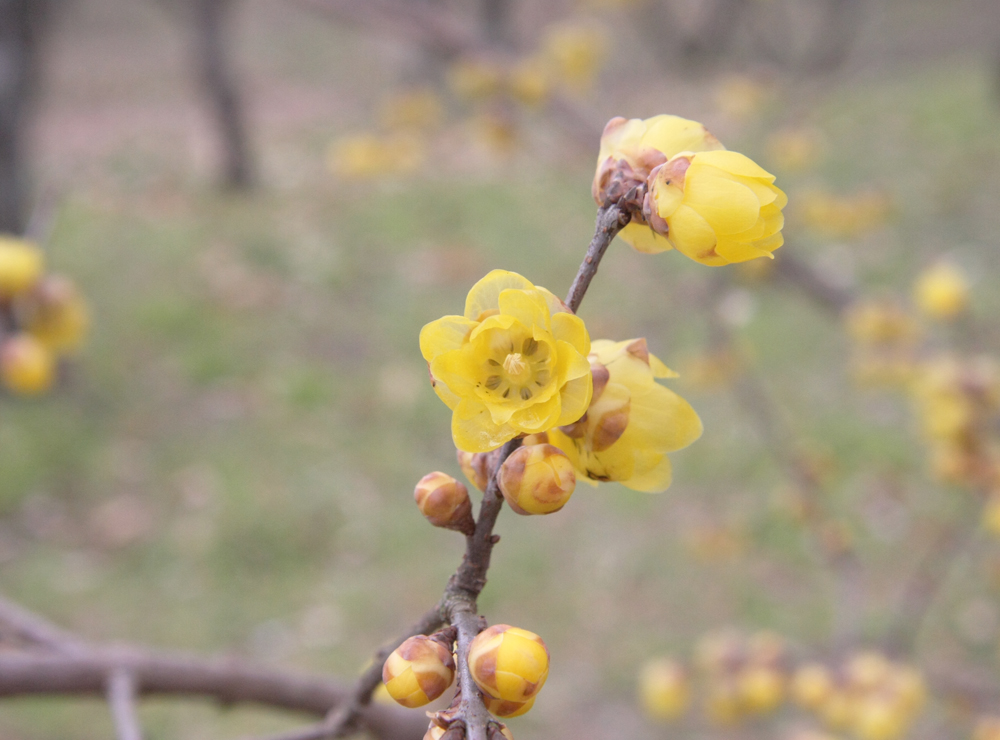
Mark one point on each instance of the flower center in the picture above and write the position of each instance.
(515, 367)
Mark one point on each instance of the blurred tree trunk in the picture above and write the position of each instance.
(496, 21)
(21, 26)
(212, 26)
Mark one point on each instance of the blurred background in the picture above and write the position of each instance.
(263, 202)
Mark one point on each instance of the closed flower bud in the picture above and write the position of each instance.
(499, 731)
(475, 465)
(26, 365)
(716, 207)
(418, 671)
(444, 501)
(537, 480)
(507, 709)
(21, 265)
(509, 663)
(942, 291)
(664, 689)
(811, 685)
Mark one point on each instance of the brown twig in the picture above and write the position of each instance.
(610, 220)
(121, 699)
(795, 271)
(25, 627)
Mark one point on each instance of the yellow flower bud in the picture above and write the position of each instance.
(537, 480)
(56, 314)
(26, 365)
(500, 730)
(811, 686)
(509, 663)
(942, 291)
(445, 502)
(21, 265)
(434, 732)
(418, 671)
(664, 689)
(761, 688)
(475, 465)
(716, 207)
(507, 709)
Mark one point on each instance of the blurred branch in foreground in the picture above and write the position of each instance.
(45, 660)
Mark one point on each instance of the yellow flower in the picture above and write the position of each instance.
(577, 53)
(27, 367)
(21, 265)
(515, 363)
(942, 291)
(369, 155)
(881, 322)
(846, 216)
(57, 315)
(631, 423)
(664, 689)
(416, 109)
(715, 207)
(530, 81)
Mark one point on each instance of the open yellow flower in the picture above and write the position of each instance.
(632, 422)
(514, 363)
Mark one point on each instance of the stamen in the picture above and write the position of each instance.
(530, 347)
(525, 394)
(493, 382)
(515, 366)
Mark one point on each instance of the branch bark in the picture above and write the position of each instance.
(121, 699)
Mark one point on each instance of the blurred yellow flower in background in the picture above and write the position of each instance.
(942, 291)
(514, 363)
(576, 52)
(21, 265)
(366, 156)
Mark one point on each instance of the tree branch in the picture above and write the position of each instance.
(611, 219)
(121, 698)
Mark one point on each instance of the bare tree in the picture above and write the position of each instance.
(22, 24)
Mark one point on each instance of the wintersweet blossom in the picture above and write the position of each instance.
(632, 422)
(515, 363)
(715, 206)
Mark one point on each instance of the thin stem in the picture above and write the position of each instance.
(610, 220)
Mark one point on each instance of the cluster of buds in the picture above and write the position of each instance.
(870, 696)
(958, 402)
(739, 677)
(43, 318)
(886, 340)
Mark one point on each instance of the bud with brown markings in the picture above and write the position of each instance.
(475, 465)
(418, 671)
(537, 479)
(506, 709)
(509, 663)
(444, 501)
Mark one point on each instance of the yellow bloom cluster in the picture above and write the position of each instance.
(844, 216)
(958, 402)
(869, 696)
(515, 362)
(47, 312)
(715, 206)
(632, 421)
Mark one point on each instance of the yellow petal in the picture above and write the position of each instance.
(554, 303)
(659, 369)
(655, 479)
(738, 164)
(673, 135)
(643, 239)
(499, 321)
(575, 398)
(668, 198)
(473, 430)
(539, 417)
(569, 363)
(445, 334)
(456, 369)
(485, 295)
(728, 206)
(691, 234)
(571, 329)
(735, 251)
(526, 306)
(660, 420)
